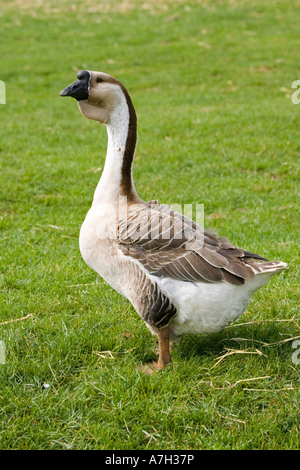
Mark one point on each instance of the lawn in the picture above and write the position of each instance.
(212, 85)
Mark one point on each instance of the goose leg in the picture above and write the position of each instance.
(164, 357)
(164, 348)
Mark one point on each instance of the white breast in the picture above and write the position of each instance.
(98, 248)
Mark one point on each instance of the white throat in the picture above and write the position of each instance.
(109, 186)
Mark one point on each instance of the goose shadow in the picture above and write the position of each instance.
(260, 337)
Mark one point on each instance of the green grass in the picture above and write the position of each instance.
(211, 82)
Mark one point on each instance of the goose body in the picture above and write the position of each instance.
(179, 278)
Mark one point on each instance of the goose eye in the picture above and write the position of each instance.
(99, 80)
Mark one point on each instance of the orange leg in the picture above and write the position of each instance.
(164, 348)
(164, 353)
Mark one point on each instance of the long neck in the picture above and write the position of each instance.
(116, 179)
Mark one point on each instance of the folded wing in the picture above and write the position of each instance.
(168, 244)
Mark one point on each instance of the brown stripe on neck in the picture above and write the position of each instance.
(126, 182)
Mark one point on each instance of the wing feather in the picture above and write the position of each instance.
(169, 244)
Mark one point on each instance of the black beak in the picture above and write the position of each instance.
(79, 89)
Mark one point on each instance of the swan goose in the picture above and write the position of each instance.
(179, 278)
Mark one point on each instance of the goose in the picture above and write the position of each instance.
(179, 277)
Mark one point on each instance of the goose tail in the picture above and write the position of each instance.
(270, 267)
(264, 270)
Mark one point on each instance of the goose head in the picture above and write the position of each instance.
(97, 93)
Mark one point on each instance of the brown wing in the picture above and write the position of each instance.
(168, 244)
